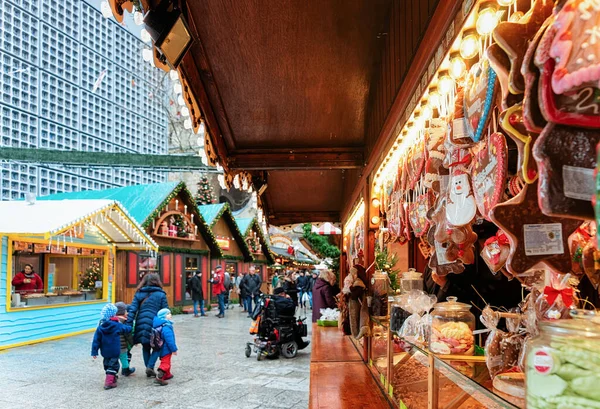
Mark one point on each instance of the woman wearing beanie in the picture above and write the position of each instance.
(163, 324)
(147, 301)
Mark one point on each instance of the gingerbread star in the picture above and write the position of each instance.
(500, 63)
(513, 37)
(566, 159)
(533, 236)
(511, 122)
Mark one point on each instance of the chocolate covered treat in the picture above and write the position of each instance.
(566, 159)
(533, 236)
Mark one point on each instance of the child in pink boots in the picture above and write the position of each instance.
(107, 339)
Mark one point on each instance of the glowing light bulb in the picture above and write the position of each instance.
(177, 89)
(138, 18)
(201, 129)
(457, 66)
(181, 101)
(187, 124)
(185, 112)
(469, 45)
(375, 219)
(446, 84)
(426, 112)
(106, 10)
(487, 20)
(375, 202)
(147, 54)
(434, 97)
(173, 75)
(506, 3)
(145, 35)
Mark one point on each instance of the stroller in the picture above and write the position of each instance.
(276, 328)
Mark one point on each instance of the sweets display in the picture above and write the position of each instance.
(452, 327)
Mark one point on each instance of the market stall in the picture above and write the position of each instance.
(235, 252)
(58, 265)
(488, 191)
(258, 245)
(168, 213)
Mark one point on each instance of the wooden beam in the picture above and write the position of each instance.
(436, 30)
(277, 159)
(283, 218)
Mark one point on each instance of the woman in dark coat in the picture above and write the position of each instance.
(323, 294)
(147, 301)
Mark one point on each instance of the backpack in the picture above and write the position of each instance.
(156, 338)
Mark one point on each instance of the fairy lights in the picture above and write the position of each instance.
(469, 46)
(487, 19)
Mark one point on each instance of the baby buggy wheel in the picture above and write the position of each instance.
(289, 349)
(248, 351)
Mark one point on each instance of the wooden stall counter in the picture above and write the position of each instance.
(338, 376)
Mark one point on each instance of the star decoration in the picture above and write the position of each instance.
(522, 213)
(514, 38)
(500, 63)
(511, 122)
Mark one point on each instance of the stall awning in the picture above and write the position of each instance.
(326, 229)
(62, 220)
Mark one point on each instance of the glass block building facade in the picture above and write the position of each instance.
(52, 52)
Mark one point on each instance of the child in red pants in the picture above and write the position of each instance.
(162, 324)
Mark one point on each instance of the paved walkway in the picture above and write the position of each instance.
(210, 371)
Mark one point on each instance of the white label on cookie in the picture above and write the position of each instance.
(578, 183)
(459, 128)
(543, 239)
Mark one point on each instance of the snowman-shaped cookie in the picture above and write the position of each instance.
(460, 205)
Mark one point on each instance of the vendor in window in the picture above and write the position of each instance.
(27, 281)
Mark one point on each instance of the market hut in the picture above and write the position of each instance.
(232, 244)
(258, 245)
(168, 213)
(71, 246)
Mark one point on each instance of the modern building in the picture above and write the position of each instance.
(71, 79)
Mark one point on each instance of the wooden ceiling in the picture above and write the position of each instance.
(284, 86)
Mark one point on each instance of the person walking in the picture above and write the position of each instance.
(237, 282)
(197, 294)
(107, 339)
(218, 281)
(147, 301)
(310, 286)
(126, 341)
(323, 294)
(289, 286)
(274, 282)
(301, 283)
(162, 322)
(252, 287)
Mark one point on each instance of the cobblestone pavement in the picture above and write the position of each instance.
(210, 371)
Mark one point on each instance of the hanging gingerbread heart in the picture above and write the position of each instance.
(480, 94)
(417, 213)
(488, 172)
(416, 164)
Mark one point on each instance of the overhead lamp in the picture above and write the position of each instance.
(446, 83)
(434, 97)
(469, 45)
(457, 66)
(169, 31)
(426, 112)
(506, 3)
(487, 18)
(375, 202)
(375, 220)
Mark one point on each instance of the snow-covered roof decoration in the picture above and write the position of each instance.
(63, 219)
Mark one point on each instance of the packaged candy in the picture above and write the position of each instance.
(495, 251)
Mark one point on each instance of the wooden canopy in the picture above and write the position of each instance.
(298, 93)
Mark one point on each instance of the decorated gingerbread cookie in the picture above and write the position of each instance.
(488, 172)
(513, 37)
(566, 159)
(459, 134)
(438, 262)
(416, 164)
(533, 236)
(500, 63)
(417, 214)
(481, 86)
(434, 169)
(460, 202)
(511, 122)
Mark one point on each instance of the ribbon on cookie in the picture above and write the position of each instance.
(552, 294)
(501, 240)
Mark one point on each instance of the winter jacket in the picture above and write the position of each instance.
(323, 297)
(107, 338)
(310, 284)
(168, 335)
(290, 289)
(251, 284)
(196, 289)
(301, 283)
(155, 300)
(217, 282)
(126, 339)
(35, 284)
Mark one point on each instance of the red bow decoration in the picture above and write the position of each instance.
(499, 238)
(553, 293)
(290, 250)
(464, 161)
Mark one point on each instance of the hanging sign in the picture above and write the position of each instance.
(223, 244)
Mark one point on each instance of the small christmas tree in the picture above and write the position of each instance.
(93, 273)
(205, 194)
(180, 225)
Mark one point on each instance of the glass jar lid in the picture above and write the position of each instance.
(451, 304)
(582, 327)
(412, 274)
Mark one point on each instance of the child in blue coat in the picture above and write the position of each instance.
(107, 339)
(169, 348)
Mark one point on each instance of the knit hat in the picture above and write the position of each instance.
(218, 267)
(162, 314)
(108, 311)
(121, 308)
